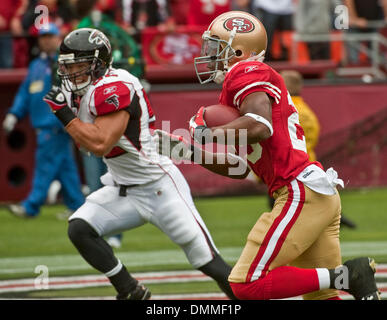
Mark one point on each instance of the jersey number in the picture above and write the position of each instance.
(295, 132)
(256, 154)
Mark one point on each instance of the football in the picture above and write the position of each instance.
(218, 115)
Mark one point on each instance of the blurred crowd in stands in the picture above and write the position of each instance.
(19, 20)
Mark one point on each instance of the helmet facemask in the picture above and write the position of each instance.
(216, 53)
(94, 68)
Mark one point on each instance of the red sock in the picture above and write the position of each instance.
(282, 282)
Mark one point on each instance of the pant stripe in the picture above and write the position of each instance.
(276, 235)
(208, 238)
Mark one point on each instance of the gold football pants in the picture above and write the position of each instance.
(302, 230)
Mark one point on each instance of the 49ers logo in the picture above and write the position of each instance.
(242, 25)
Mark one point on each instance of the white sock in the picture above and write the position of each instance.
(324, 279)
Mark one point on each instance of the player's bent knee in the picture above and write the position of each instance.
(78, 230)
(198, 252)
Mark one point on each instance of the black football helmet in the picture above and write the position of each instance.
(79, 46)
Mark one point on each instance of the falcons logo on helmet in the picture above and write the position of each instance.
(113, 99)
(98, 38)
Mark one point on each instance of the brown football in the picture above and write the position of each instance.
(218, 115)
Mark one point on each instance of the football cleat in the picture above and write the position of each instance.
(114, 242)
(361, 279)
(344, 221)
(64, 215)
(139, 293)
(18, 210)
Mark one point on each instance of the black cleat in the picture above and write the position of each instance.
(361, 282)
(139, 293)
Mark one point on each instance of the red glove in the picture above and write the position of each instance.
(198, 127)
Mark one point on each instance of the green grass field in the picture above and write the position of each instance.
(43, 240)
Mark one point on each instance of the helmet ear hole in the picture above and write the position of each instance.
(238, 53)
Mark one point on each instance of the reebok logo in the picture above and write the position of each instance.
(250, 68)
(109, 90)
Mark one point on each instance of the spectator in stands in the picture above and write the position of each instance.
(107, 7)
(276, 15)
(126, 52)
(179, 11)
(10, 11)
(139, 14)
(241, 5)
(308, 120)
(201, 13)
(61, 12)
(314, 18)
(361, 15)
(54, 158)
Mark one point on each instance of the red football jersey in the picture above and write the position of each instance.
(279, 159)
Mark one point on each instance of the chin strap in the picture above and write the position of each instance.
(219, 76)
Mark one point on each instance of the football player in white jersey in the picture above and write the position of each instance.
(107, 112)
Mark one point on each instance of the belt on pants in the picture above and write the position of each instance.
(123, 188)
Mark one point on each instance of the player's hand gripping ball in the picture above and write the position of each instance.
(218, 115)
(210, 117)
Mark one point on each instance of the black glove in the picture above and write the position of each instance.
(57, 102)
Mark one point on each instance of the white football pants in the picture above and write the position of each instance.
(166, 203)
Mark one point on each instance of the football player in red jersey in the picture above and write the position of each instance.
(294, 249)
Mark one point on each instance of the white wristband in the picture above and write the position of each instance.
(260, 119)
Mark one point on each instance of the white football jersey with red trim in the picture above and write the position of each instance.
(279, 159)
(134, 158)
